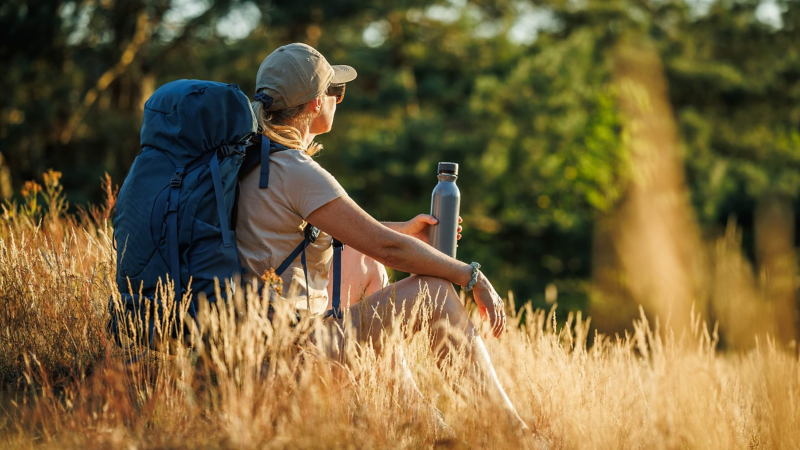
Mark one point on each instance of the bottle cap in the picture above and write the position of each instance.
(448, 167)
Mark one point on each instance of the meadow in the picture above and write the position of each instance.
(245, 385)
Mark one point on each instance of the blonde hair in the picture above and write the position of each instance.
(281, 126)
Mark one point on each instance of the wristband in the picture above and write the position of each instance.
(475, 267)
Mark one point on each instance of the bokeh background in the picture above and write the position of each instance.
(613, 153)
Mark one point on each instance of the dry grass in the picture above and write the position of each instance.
(65, 385)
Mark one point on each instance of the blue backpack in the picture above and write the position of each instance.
(175, 208)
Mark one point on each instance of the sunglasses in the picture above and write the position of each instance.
(336, 90)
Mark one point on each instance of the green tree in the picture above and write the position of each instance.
(519, 92)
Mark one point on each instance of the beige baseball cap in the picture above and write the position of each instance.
(296, 74)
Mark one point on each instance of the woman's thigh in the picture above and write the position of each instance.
(399, 307)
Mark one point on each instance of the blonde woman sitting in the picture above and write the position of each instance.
(297, 94)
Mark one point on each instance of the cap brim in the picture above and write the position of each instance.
(343, 74)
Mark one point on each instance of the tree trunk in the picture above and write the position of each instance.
(653, 232)
(777, 263)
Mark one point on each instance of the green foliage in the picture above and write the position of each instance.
(532, 120)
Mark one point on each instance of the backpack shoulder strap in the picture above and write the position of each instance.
(311, 233)
(259, 150)
(254, 153)
(336, 310)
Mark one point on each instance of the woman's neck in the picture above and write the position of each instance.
(306, 136)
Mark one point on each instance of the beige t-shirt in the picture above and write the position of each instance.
(270, 223)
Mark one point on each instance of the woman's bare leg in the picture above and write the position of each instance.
(362, 276)
(391, 309)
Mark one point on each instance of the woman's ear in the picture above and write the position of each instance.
(314, 106)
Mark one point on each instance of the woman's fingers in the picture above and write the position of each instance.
(490, 315)
(501, 321)
(490, 305)
(427, 218)
(500, 313)
(496, 318)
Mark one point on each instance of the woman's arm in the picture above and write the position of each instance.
(343, 219)
(396, 226)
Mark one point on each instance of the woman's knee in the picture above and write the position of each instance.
(444, 305)
(434, 285)
(441, 294)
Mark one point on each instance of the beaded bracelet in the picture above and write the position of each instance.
(475, 267)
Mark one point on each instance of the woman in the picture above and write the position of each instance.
(297, 94)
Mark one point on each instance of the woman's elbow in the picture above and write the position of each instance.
(390, 256)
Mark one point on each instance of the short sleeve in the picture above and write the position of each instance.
(308, 186)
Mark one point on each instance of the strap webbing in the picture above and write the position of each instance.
(172, 224)
(290, 259)
(263, 181)
(311, 233)
(202, 160)
(305, 273)
(253, 156)
(338, 247)
(216, 178)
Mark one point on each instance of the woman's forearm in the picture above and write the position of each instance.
(396, 226)
(343, 219)
(411, 255)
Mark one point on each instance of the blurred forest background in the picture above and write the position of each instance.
(613, 153)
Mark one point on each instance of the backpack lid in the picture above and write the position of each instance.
(187, 118)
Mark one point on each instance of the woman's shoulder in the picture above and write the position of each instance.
(289, 156)
(303, 183)
(298, 160)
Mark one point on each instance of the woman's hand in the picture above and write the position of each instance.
(419, 227)
(490, 304)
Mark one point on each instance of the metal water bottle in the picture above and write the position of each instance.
(445, 204)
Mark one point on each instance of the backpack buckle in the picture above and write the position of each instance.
(228, 150)
(176, 180)
(312, 233)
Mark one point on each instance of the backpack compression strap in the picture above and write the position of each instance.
(216, 178)
(174, 257)
(212, 159)
(172, 225)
